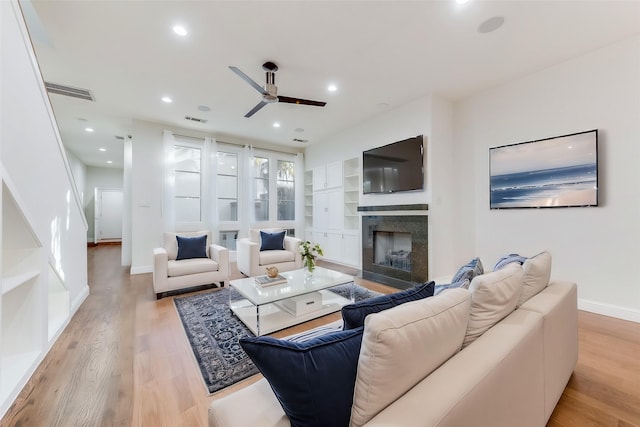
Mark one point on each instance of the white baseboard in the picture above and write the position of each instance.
(624, 313)
(141, 269)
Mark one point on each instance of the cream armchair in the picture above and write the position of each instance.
(252, 261)
(171, 274)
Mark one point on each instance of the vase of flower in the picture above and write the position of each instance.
(309, 252)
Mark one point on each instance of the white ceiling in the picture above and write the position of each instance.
(380, 54)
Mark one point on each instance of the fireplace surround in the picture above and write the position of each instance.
(395, 244)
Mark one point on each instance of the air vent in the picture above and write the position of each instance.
(73, 92)
(304, 141)
(195, 119)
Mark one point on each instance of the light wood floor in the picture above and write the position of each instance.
(124, 361)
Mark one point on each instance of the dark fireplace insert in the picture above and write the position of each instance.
(394, 249)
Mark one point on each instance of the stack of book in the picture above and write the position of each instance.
(270, 281)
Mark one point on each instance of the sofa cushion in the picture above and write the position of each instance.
(537, 272)
(272, 241)
(493, 296)
(354, 314)
(275, 257)
(508, 259)
(403, 345)
(170, 243)
(312, 380)
(190, 266)
(191, 247)
(444, 287)
(468, 271)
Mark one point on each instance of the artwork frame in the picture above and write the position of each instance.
(556, 172)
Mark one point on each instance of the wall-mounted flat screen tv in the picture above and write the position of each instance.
(547, 173)
(394, 167)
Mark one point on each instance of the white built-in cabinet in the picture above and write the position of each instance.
(335, 223)
(327, 176)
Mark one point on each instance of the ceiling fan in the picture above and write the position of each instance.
(270, 90)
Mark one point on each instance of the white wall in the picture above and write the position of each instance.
(79, 172)
(430, 116)
(98, 177)
(39, 178)
(35, 161)
(146, 194)
(596, 247)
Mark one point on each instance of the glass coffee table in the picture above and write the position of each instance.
(266, 309)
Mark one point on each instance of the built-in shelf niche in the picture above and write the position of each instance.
(59, 303)
(22, 323)
(308, 200)
(351, 189)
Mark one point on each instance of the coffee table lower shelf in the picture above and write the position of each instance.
(274, 318)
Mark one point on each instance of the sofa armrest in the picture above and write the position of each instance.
(220, 254)
(558, 304)
(248, 254)
(160, 265)
(291, 244)
(496, 381)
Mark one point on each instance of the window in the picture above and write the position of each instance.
(261, 188)
(227, 186)
(187, 167)
(228, 239)
(286, 190)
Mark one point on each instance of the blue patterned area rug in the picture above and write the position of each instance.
(214, 333)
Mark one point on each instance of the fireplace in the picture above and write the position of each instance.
(394, 248)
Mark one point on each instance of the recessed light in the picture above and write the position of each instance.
(204, 108)
(332, 88)
(109, 161)
(299, 130)
(102, 149)
(167, 99)
(462, 1)
(88, 129)
(180, 30)
(276, 125)
(491, 25)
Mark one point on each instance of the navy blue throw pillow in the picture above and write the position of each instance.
(272, 241)
(313, 380)
(354, 314)
(192, 247)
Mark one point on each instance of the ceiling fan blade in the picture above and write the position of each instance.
(290, 100)
(256, 109)
(248, 79)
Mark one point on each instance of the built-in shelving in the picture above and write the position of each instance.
(308, 200)
(59, 304)
(21, 305)
(351, 189)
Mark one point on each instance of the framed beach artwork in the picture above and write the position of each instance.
(547, 173)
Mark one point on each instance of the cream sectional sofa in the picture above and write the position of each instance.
(412, 372)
